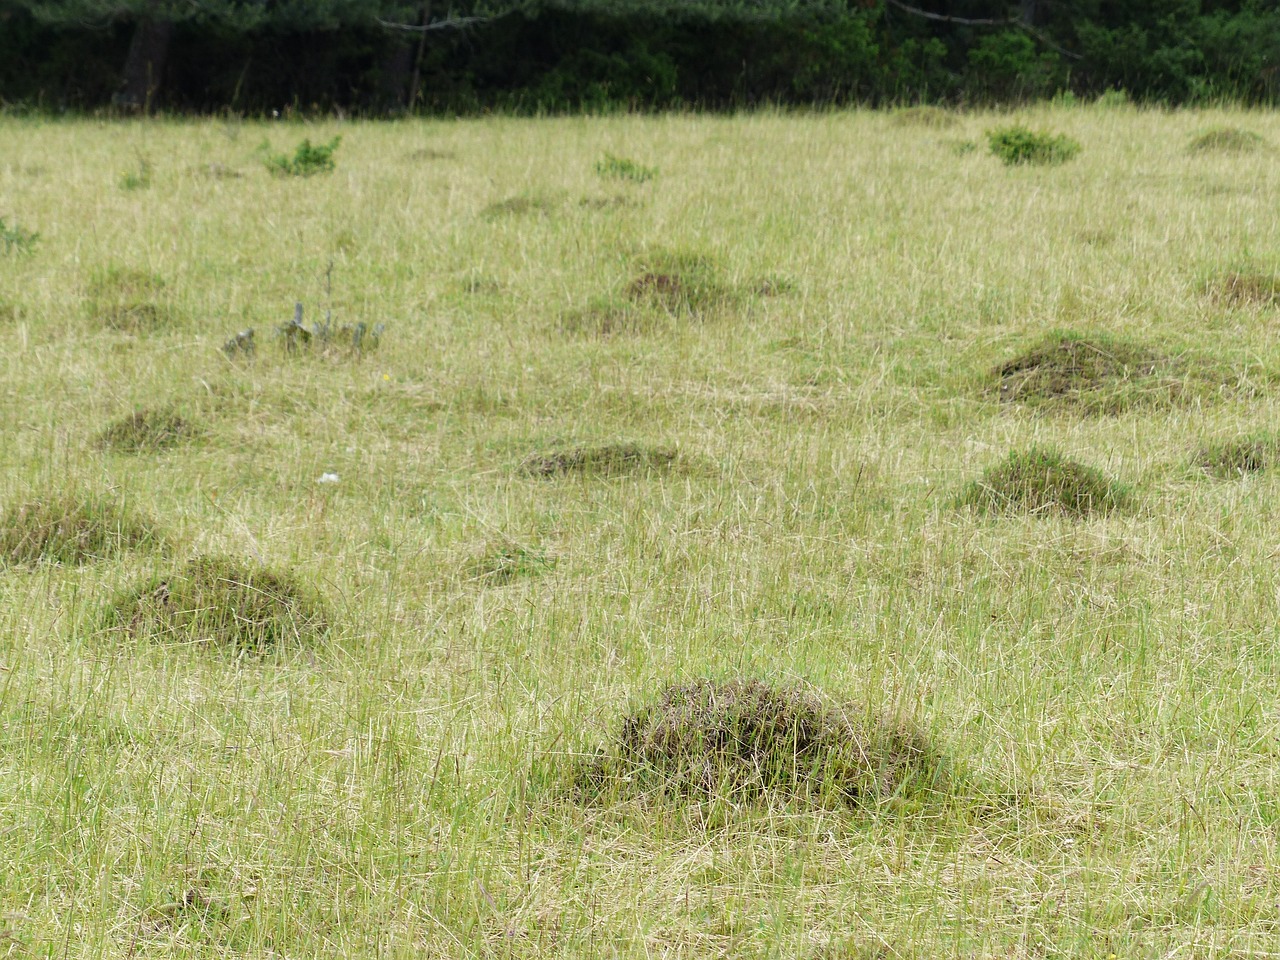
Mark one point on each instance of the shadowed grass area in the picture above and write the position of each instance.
(1040, 481)
(221, 601)
(605, 460)
(507, 564)
(1245, 289)
(147, 430)
(742, 738)
(1229, 459)
(73, 528)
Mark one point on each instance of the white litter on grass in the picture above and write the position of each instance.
(328, 478)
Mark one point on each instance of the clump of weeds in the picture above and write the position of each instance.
(15, 238)
(743, 739)
(308, 160)
(1018, 145)
(620, 168)
(73, 528)
(222, 601)
(1039, 481)
(150, 429)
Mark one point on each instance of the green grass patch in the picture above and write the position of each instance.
(620, 168)
(222, 601)
(1040, 481)
(147, 430)
(15, 238)
(507, 564)
(308, 160)
(1017, 145)
(73, 528)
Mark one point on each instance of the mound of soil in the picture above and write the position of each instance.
(145, 430)
(614, 459)
(72, 528)
(1042, 481)
(224, 602)
(740, 739)
(1071, 368)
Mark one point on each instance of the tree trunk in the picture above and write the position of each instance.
(144, 66)
(416, 79)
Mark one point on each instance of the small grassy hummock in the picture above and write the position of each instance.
(1246, 289)
(1042, 481)
(740, 739)
(1238, 456)
(1018, 145)
(1227, 140)
(147, 430)
(72, 528)
(222, 601)
(131, 300)
(607, 460)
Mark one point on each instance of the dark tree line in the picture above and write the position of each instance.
(467, 55)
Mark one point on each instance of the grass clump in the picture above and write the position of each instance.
(131, 300)
(1042, 481)
(607, 460)
(741, 739)
(934, 118)
(509, 564)
(222, 601)
(1228, 459)
(15, 238)
(1098, 372)
(520, 205)
(620, 168)
(612, 316)
(72, 528)
(1226, 140)
(146, 430)
(679, 283)
(308, 160)
(1020, 145)
(1246, 289)
(139, 178)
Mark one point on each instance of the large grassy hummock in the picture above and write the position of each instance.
(1042, 481)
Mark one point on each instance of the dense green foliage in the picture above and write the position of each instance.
(551, 55)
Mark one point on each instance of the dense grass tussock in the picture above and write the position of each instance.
(1246, 289)
(740, 739)
(1099, 372)
(679, 283)
(1042, 481)
(613, 316)
(73, 528)
(1019, 145)
(608, 460)
(131, 300)
(934, 118)
(224, 602)
(507, 564)
(520, 205)
(1226, 140)
(147, 430)
(1238, 456)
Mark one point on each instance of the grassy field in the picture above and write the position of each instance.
(312, 657)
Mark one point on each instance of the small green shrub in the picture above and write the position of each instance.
(1042, 481)
(1019, 145)
(14, 238)
(221, 601)
(744, 739)
(620, 168)
(72, 528)
(1226, 140)
(307, 160)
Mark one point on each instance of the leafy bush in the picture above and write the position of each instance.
(307, 160)
(1018, 144)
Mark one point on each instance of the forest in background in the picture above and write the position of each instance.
(383, 57)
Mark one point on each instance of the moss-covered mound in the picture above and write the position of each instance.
(740, 739)
(609, 460)
(1238, 456)
(1101, 373)
(72, 528)
(146, 430)
(222, 601)
(1042, 481)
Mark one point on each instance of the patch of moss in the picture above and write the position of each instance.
(222, 601)
(607, 460)
(1042, 481)
(1098, 371)
(73, 528)
(149, 429)
(740, 739)
(1226, 140)
(129, 300)
(1229, 459)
